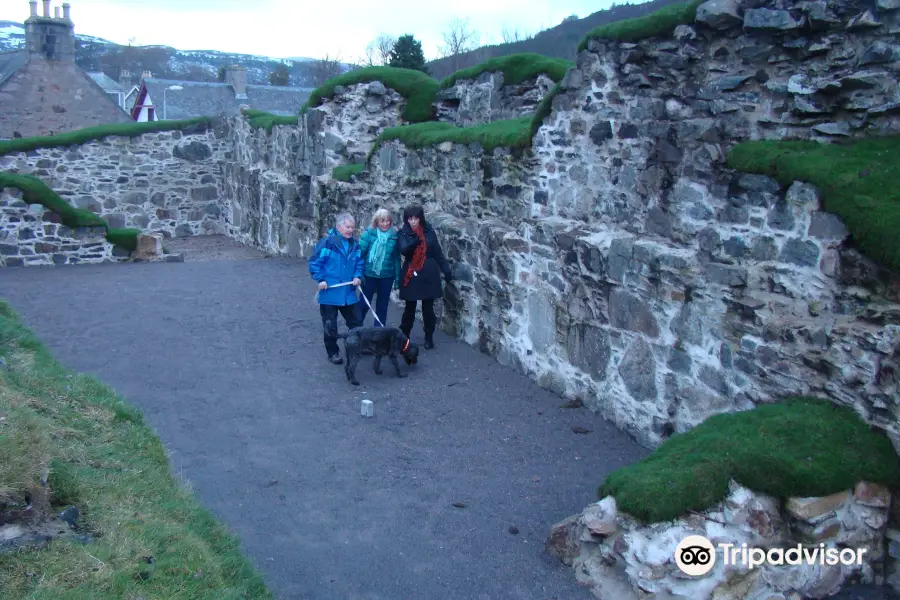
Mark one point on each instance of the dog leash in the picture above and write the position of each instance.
(358, 291)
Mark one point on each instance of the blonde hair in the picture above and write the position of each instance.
(381, 213)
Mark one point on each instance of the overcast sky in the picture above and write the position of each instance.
(310, 28)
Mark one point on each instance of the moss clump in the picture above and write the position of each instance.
(344, 172)
(516, 68)
(799, 447)
(858, 182)
(81, 136)
(105, 459)
(660, 22)
(511, 133)
(418, 88)
(36, 191)
(261, 118)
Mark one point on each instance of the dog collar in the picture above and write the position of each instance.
(406, 345)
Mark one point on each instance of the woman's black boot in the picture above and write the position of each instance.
(429, 340)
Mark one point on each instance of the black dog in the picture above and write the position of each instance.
(380, 341)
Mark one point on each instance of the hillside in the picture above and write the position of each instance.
(560, 41)
(98, 54)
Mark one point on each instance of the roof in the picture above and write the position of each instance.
(10, 62)
(204, 99)
(109, 85)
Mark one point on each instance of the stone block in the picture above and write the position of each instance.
(807, 509)
(149, 247)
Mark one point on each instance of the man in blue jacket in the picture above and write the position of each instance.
(337, 259)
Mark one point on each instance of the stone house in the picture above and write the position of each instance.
(160, 99)
(121, 92)
(42, 90)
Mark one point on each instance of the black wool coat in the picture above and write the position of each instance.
(426, 284)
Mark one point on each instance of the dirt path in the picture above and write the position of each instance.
(226, 359)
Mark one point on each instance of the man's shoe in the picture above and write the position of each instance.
(336, 359)
(429, 341)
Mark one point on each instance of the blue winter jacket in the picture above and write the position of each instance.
(332, 264)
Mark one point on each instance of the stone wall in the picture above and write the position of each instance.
(168, 182)
(487, 98)
(50, 97)
(621, 262)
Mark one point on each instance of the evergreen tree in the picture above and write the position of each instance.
(280, 76)
(407, 54)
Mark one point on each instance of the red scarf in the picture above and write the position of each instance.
(418, 259)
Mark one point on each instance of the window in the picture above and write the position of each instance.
(151, 114)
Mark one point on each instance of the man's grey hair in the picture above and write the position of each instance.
(343, 218)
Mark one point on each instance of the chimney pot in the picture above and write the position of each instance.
(66, 14)
(55, 12)
(33, 5)
(47, 8)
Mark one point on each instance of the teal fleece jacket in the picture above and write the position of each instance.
(390, 266)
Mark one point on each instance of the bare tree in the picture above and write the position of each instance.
(458, 39)
(324, 69)
(514, 35)
(378, 52)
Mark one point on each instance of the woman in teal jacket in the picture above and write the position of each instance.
(378, 245)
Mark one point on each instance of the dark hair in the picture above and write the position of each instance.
(414, 210)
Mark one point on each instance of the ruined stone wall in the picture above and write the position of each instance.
(621, 262)
(487, 98)
(168, 182)
(50, 97)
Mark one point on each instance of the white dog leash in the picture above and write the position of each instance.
(359, 291)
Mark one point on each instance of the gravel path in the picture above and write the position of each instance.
(225, 357)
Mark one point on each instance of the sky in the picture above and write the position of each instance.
(306, 28)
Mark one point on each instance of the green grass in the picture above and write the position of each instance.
(511, 133)
(858, 182)
(799, 447)
(343, 172)
(516, 68)
(36, 191)
(660, 22)
(261, 118)
(81, 136)
(103, 458)
(418, 88)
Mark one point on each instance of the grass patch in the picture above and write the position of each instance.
(418, 88)
(87, 134)
(343, 172)
(511, 133)
(104, 458)
(857, 181)
(261, 118)
(660, 22)
(516, 68)
(36, 191)
(799, 447)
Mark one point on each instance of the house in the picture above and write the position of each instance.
(160, 99)
(122, 92)
(42, 90)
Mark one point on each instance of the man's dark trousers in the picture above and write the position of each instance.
(329, 314)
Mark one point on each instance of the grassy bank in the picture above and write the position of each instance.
(418, 88)
(88, 134)
(36, 191)
(516, 68)
(800, 447)
(261, 118)
(857, 181)
(660, 22)
(152, 540)
(343, 172)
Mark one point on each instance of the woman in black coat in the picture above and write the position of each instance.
(420, 275)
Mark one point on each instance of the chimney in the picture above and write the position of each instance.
(66, 14)
(125, 78)
(48, 37)
(146, 75)
(55, 12)
(236, 77)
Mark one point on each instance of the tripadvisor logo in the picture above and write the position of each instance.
(696, 556)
